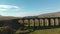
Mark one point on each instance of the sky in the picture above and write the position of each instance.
(21, 8)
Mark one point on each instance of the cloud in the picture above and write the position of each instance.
(20, 14)
(6, 7)
(23, 14)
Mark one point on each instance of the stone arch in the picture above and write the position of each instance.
(20, 21)
(56, 21)
(26, 22)
(46, 22)
(52, 22)
(31, 22)
(41, 22)
(36, 22)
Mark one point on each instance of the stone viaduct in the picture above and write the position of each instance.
(51, 21)
(46, 22)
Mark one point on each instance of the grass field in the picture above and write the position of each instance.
(47, 31)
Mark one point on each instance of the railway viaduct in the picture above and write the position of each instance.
(46, 22)
(51, 21)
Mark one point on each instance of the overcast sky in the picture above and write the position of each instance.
(21, 8)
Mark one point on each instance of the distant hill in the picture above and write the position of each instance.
(7, 17)
(55, 14)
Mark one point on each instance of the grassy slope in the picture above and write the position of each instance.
(47, 31)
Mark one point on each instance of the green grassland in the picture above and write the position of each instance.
(47, 31)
